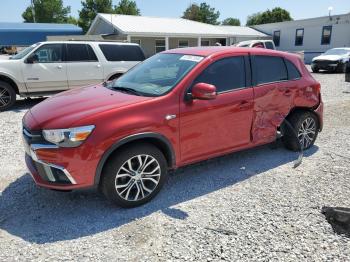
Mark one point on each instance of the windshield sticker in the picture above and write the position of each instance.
(192, 58)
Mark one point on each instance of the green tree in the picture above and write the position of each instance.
(269, 16)
(90, 9)
(127, 7)
(202, 13)
(47, 11)
(231, 21)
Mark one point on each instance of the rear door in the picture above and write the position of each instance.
(48, 72)
(272, 96)
(83, 67)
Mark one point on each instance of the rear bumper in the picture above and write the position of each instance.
(319, 113)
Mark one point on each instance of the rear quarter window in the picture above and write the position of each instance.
(122, 52)
(293, 72)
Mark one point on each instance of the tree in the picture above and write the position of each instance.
(275, 15)
(47, 11)
(231, 21)
(202, 13)
(127, 7)
(90, 9)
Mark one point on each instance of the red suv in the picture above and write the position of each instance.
(176, 108)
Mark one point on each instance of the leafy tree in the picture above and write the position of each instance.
(231, 21)
(269, 16)
(127, 7)
(47, 11)
(90, 9)
(202, 13)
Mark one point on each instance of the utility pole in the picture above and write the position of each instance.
(33, 11)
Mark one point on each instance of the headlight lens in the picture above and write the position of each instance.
(71, 137)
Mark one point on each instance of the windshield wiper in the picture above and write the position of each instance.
(127, 90)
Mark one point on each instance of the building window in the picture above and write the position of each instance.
(277, 37)
(136, 41)
(299, 37)
(205, 43)
(326, 35)
(160, 45)
(183, 43)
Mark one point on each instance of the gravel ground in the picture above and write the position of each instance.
(250, 205)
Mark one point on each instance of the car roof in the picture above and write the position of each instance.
(217, 50)
(90, 42)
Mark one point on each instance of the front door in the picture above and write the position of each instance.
(83, 67)
(48, 71)
(210, 127)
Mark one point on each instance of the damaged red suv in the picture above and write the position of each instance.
(176, 108)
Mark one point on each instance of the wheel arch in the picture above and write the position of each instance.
(303, 109)
(114, 76)
(10, 81)
(156, 139)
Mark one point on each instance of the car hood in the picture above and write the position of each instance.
(67, 108)
(328, 57)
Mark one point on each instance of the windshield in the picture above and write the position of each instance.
(158, 74)
(24, 52)
(337, 52)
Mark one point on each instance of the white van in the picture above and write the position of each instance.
(50, 67)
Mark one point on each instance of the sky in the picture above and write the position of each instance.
(11, 10)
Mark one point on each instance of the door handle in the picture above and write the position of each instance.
(59, 67)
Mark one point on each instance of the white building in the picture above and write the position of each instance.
(313, 36)
(156, 34)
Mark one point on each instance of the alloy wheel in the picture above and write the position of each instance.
(5, 97)
(137, 178)
(307, 132)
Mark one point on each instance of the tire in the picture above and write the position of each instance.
(315, 69)
(7, 96)
(128, 188)
(342, 68)
(114, 77)
(306, 126)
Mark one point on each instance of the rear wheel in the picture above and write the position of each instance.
(306, 128)
(7, 96)
(134, 175)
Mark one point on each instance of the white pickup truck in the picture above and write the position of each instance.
(50, 67)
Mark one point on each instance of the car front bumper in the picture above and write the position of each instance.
(327, 65)
(58, 168)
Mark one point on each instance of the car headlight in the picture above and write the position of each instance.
(71, 137)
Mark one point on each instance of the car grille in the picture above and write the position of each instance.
(325, 63)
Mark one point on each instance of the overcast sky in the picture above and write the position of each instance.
(12, 10)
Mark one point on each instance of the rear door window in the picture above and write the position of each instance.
(80, 53)
(269, 69)
(122, 52)
(226, 74)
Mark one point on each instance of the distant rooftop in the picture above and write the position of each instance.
(160, 26)
(5, 26)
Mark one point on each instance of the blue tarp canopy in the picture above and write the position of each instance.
(24, 34)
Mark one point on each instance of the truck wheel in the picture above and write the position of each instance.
(7, 96)
(134, 175)
(306, 128)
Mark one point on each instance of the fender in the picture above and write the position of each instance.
(19, 86)
(123, 141)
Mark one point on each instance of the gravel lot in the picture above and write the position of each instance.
(250, 205)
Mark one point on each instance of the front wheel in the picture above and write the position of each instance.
(7, 96)
(134, 175)
(315, 69)
(303, 131)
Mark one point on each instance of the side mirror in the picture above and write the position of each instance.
(32, 59)
(203, 91)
